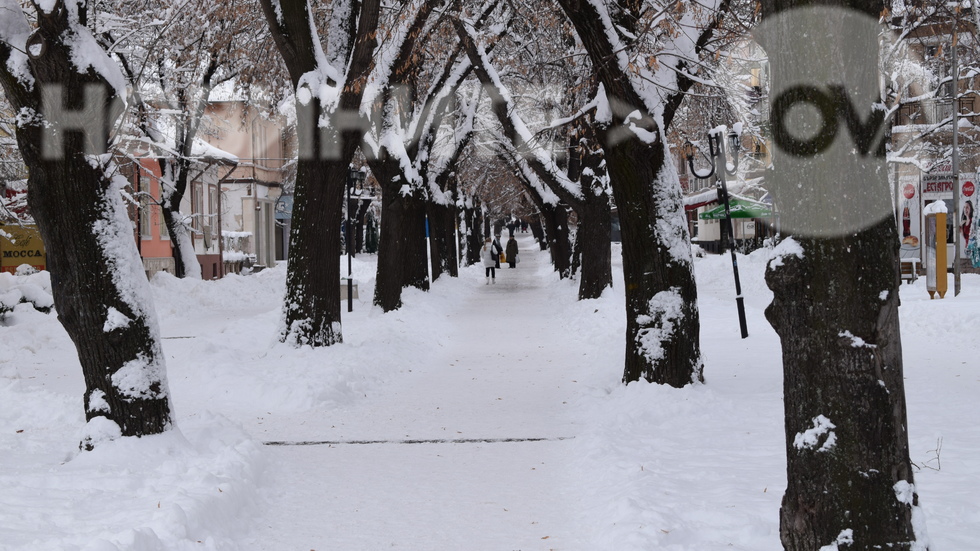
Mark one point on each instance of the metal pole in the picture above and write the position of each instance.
(350, 256)
(721, 170)
(956, 167)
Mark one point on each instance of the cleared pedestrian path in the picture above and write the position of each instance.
(470, 451)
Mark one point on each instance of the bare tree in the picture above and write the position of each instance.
(646, 56)
(68, 94)
(174, 55)
(329, 84)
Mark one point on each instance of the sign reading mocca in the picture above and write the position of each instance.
(21, 245)
(24, 254)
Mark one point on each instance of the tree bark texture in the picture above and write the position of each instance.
(662, 318)
(100, 293)
(663, 322)
(823, 303)
(835, 303)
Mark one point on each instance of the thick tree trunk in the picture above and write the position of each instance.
(312, 314)
(474, 233)
(123, 367)
(556, 230)
(443, 223)
(402, 258)
(537, 230)
(662, 319)
(835, 291)
(311, 311)
(837, 319)
(595, 246)
(100, 293)
(594, 239)
(442, 240)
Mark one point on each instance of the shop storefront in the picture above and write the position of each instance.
(916, 192)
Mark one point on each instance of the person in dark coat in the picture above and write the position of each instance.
(497, 247)
(512, 252)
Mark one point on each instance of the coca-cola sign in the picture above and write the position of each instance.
(908, 191)
(969, 189)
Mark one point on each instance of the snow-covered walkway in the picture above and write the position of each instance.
(650, 467)
(494, 376)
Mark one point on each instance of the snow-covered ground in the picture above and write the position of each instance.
(477, 417)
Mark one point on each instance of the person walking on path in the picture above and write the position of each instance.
(491, 259)
(499, 248)
(512, 252)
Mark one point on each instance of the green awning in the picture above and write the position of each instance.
(740, 208)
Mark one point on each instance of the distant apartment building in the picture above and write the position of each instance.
(263, 143)
(236, 178)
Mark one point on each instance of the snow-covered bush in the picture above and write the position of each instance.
(25, 286)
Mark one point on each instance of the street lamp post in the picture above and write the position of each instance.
(719, 166)
(354, 176)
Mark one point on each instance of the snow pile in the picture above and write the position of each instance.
(160, 492)
(648, 473)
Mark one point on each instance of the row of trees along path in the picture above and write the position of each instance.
(495, 378)
(54, 56)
